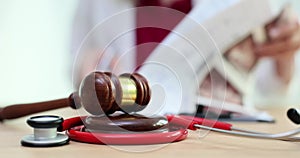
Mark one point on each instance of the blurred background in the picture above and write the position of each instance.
(36, 61)
(35, 49)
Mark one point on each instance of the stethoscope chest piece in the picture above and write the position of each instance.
(45, 132)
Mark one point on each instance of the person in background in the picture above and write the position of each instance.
(283, 35)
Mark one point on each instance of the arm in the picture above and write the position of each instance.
(283, 43)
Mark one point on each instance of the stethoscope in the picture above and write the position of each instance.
(46, 128)
(104, 94)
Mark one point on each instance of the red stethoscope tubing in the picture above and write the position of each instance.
(126, 139)
(190, 121)
(74, 129)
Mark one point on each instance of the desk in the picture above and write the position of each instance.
(209, 145)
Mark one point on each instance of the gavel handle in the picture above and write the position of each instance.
(20, 110)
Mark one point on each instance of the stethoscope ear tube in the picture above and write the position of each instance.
(194, 123)
(286, 136)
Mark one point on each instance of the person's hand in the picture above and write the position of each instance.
(282, 44)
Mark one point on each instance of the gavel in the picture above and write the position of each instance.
(99, 93)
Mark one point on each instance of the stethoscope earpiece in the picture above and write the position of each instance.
(294, 115)
(45, 132)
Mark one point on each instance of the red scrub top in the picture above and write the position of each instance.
(147, 38)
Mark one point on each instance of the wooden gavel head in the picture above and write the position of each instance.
(99, 93)
(104, 93)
